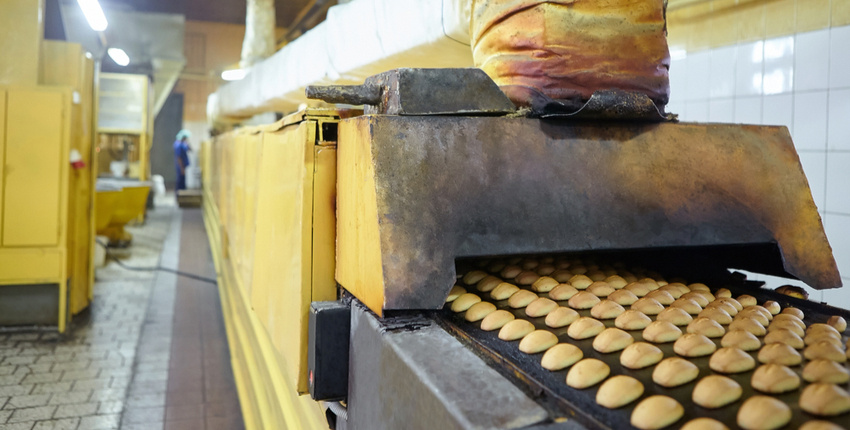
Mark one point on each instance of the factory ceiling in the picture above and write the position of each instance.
(151, 32)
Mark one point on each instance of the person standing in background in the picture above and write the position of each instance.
(181, 157)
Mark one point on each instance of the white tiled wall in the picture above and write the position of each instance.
(801, 81)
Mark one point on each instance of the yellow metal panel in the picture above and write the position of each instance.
(31, 266)
(724, 30)
(34, 168)
(780, 18)
(63, 63)
(89, 125)
(146, 136)
(840, 14)
(2, 154)
(324, 225)
(60, 64)
(271, 190)
(282, 271)
(252, 156)
(21, 33)
(234, 224)
(224, 146)
(358, 254)
(105, 203)
(752, 22)
(700, 37)
(267, 397)
(813, 15)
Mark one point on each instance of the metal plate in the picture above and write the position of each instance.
(552, 391)
(416, 193)
(406, 91)
(408, 373)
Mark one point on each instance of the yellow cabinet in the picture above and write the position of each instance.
(33, 168)
(34, 177)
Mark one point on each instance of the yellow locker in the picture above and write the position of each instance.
(33, 170)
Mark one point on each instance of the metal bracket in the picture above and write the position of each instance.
(466, 91)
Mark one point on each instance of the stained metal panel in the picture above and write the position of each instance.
(415, 193)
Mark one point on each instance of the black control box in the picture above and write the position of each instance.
(327, 350)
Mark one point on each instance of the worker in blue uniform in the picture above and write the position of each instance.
(181, 157)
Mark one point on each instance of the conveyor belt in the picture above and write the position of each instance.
(551, 390)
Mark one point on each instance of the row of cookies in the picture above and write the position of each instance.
(693, 344)
(709, 321)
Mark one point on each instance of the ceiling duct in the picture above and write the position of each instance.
(259, 40)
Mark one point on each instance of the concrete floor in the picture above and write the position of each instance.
(149, 353)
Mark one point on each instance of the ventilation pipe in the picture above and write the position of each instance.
(259, 40)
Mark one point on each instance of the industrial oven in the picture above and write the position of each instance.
(443, 191)
(535, 244)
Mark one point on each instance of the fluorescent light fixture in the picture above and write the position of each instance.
(118, 56)
(234, 74)
(94, 14)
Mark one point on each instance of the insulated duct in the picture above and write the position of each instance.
(259, 40)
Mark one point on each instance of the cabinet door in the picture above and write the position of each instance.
(33, 168)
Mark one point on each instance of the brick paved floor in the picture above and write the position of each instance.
(118, 366)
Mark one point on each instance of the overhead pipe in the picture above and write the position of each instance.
(259, 41)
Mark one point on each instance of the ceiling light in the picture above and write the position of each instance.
(118, 56)
(94, 14)
(234, 74)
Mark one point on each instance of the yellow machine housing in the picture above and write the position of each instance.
(116, 208)
(269, 205)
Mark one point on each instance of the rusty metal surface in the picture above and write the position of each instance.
(606, 105)
(409, 373)
(349, 94)
(451, 187)
(421, 92)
